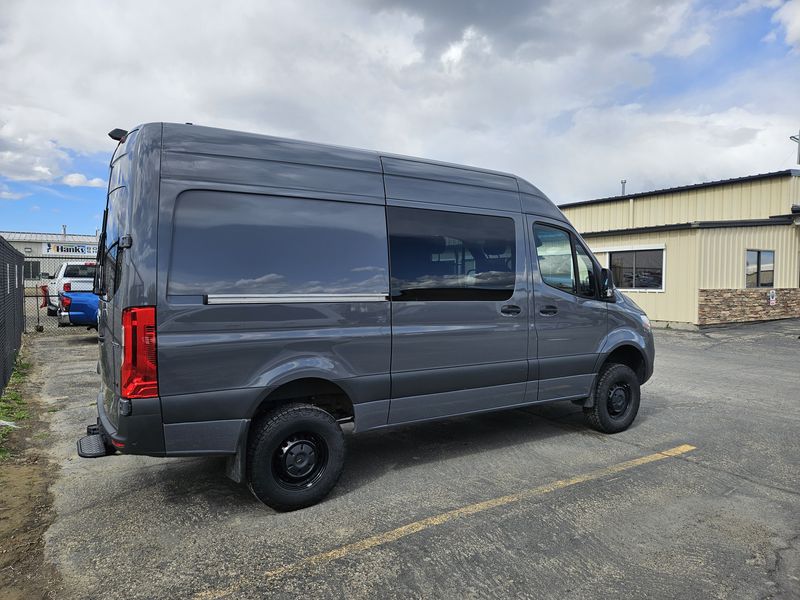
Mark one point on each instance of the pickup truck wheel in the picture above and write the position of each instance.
(616, 399)
(295, 456)
(52, 312)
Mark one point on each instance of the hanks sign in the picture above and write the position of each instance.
(69, 249)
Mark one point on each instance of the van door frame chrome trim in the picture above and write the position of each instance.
(292, 298)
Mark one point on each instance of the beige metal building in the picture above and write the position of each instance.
(717, 252)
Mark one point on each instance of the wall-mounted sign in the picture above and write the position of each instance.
(49, 248)
(773, 297)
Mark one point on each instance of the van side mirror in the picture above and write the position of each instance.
(607, 285)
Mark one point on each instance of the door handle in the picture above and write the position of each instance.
(549, 310)
(510, 310)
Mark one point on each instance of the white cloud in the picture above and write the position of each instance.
(80, 180)
(688, 45)
(546, 90)
(7, 194)
(788, 16)
(26, 153)
(748, 6)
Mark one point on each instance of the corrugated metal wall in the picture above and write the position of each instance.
(758, 199)
(722, 255)
(678, 301)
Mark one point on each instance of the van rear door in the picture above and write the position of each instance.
(110, 311)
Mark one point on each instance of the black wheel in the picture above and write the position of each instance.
(295, 456)
(616, 399)
(52, 312)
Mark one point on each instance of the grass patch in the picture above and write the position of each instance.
(12, 405)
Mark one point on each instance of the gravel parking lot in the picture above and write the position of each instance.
(527, 503)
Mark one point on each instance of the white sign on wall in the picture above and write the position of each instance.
(773, 297)
(49, 248)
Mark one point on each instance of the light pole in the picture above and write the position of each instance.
(796, 140)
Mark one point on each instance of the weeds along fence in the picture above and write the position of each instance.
(12, 318)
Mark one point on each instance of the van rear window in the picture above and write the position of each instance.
(80, 271)
(234, 243)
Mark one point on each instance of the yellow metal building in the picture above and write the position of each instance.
(717, 252)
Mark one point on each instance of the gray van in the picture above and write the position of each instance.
(259, 293)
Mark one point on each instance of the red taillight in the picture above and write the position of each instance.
(65, 302)
(139, 376)
(67, 287)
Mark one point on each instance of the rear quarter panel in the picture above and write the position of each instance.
(218, 362)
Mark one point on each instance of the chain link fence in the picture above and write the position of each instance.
(44, 278)
(12, 319)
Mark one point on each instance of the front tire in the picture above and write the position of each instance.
(616, 399)
(295, 456)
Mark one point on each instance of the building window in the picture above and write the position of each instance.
(441, 255)
(759, 268)
(638, 269)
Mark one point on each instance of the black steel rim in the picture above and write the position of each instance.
(619, 400)
(299, 461)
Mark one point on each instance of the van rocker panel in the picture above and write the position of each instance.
(448, 379)
(449, 404)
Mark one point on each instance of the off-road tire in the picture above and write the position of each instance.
(285, 427)
(606, 415)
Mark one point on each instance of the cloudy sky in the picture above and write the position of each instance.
(572, 95)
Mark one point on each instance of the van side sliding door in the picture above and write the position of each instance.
(459, 310)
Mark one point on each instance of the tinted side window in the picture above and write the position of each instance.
(554, 251)
(229, 243)
(441, 255)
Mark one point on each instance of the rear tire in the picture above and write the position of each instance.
(52, 312)
(616, 399)
(295, 456)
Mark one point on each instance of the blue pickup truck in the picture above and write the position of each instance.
(78, 308)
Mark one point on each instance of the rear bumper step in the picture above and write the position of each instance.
(93, 446)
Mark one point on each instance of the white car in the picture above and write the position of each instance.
(70, 277)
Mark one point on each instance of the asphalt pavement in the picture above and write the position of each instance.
(700, 498)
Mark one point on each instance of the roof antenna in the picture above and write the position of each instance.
(623, 182)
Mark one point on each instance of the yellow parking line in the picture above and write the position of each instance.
(471, 509)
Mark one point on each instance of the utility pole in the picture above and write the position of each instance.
(623, 182)
(796, 140)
